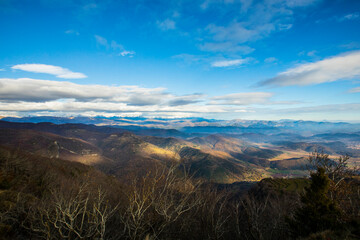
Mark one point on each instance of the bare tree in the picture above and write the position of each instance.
(337, 170)
(78, 215)
(216, 207)
(344, 187)
(134, 217)
(157, 200)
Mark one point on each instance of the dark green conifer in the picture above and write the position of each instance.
(318, 212)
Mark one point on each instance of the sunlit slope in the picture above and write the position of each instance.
(52, 146)
(217, 158)
(123, 152)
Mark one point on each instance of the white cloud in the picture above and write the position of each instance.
(329, 108)
(341, 67)
(114, 46)
(167, 24)
(34, 90)
(127, 53)
(213, 61)
(79, 107)
(243, 98)
(49, 69)
(34, 96)
(28, 89)
(249, 98)
(2, 69)
(229, 63)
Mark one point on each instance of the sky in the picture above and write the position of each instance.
(219, 59)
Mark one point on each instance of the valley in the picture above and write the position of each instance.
(216, 157)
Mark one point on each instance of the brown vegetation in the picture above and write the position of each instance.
(48, 198)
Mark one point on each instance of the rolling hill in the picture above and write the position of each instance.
(220, 158)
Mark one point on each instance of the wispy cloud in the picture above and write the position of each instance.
(341, 67)
(72, 32)
(344, 18)
(255, 20)
(101, 41)
(350, 16)
(90, 6)
(49, 69)
(190, 59)
(239, 33)
(229, 63)
(350, 45)
(113, 46)
(311, 54)
(246, 4)
(127, 53)
(329, 108)
(301, 3)
(167, 24)
(226, 47)
(355, 90)
(270, 60)
(213, 61)
(246, 98)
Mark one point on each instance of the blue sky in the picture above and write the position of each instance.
(224, 59)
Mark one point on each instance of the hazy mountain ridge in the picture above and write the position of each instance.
(202, 125)
(117, 153)
(217, 157)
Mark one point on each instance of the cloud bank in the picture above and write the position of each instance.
(26, 96)
(46, 96)
(27, 89)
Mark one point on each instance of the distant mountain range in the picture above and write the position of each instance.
(226, 156)
(202, 125)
